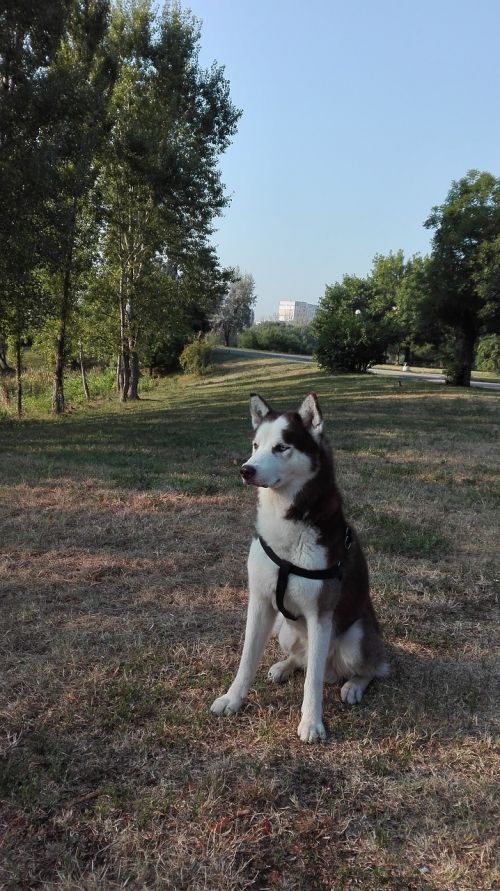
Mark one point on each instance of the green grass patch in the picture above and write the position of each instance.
(394, 535)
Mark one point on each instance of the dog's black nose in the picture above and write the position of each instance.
(247, 472)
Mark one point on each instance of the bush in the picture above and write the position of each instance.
(196, 357)
(280, 337)
(488, 354)
(163, 352)
(354, 326)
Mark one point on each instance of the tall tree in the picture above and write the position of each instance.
(402, 288)
(161, 182)
(235, 313)
(81, 77)
(30, 33)
(387, 275)
(463, 296)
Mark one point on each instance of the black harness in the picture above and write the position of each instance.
(286, 568)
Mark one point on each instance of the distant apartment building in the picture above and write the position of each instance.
(296, 311)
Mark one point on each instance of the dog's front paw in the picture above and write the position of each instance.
(311, 731)
(226, 705)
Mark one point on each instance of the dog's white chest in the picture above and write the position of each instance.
(289, 539)
(301, 594)
(292, 541)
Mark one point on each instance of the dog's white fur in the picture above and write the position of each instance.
(280, 471)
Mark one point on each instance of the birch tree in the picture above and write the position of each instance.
(236, 310)
(161, 182)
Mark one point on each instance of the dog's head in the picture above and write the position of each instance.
(286, 445)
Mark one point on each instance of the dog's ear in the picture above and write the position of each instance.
(258, 409)
(310, 413)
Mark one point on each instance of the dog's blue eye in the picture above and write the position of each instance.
(281, 448)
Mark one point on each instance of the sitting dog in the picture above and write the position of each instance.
(307, 573)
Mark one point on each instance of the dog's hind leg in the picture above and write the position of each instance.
(293, 645)
(353, 689)
(281, 671)
(358, 654)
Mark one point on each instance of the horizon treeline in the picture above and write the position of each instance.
(441, 307)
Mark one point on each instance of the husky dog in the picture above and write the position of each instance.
(307, 573)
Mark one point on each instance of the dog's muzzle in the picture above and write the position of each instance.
(247, 473)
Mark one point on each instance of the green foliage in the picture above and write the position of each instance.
(427, 355)
(111, 133)
(355, 324)
(487, 281)
(464, 270)
(161, 187)
(163, 351)
(279, 337)
(413, 330)
(177, 309)
(44, 339)
(88, 329)
(235, 312)
(488, 353)
(30, 35)
(196, 357)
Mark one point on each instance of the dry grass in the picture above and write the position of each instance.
(122, 583)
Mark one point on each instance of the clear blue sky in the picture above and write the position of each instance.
(357, 115)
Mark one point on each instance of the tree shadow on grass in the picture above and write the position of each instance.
(138, 449)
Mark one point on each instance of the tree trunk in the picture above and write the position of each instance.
(124, 362)
(458, 370)
(19, 380)
(84, 376)
(58, 386)
(5, 368)
(134, 376)
(124, 373)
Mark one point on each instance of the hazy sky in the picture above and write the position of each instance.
(357, 115)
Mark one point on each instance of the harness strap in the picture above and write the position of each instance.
(286, 568)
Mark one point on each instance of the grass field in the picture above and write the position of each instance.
(124, 533)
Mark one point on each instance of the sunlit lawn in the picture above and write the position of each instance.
(123, 535)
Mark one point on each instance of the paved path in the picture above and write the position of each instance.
(433, 378)
(264, 354)
(385, 372)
